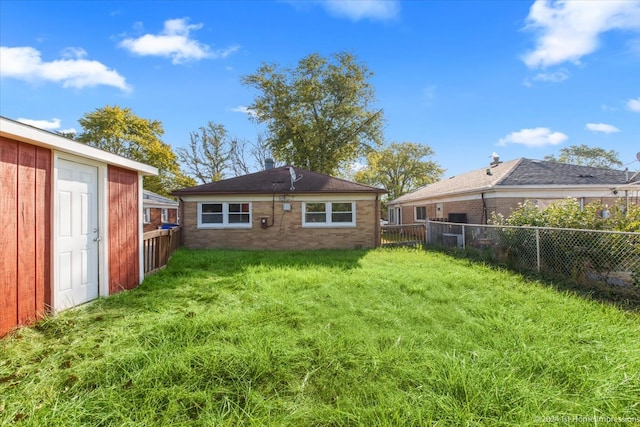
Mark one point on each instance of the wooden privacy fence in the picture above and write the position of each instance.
(158, 247)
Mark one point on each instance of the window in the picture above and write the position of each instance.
(421, 213)
(394, 215)
(238, 213)
(323, 214)
(147, 215)
(315, 212)
(164, 215)
(221, 215)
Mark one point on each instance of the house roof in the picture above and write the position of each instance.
(17, 131)
(519, 172)
(279, 180)
(149, 198)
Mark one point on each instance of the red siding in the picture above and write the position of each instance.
(124, 217)
(25, 185)
(26, 232)
(43, 231)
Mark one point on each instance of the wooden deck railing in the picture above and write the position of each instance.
(403, 235)
(158, 247)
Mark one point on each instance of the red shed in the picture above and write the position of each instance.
(72, 223)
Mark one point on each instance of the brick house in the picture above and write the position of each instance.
(158, 211)
(475, 196)
(281, 208)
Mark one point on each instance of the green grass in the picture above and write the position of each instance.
(389, 337)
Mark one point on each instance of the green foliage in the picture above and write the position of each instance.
(121, 132)
(400, 168)
(567, 213)
(583, 155)
(323, 338)
(319, 115)
(573, 253)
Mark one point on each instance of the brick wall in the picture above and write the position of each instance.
(474, 208)
(156, 218)
(286, 232)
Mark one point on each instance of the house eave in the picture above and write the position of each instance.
(264, 193)
(589, 190)
(25, 133)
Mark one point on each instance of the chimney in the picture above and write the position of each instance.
(269, 164)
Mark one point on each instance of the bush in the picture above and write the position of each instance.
(567, 213)
(574, 253)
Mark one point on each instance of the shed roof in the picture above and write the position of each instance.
(279, 180)
(151, 198)
(519, 172)
(30, 134)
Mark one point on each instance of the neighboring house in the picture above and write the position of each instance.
(158, 211)
(474, 197)
(281, 208)
(72, 223)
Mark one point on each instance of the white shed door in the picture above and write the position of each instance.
(76, 258)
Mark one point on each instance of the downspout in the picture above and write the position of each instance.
(376, 241)
(485, 215)
(182, 220)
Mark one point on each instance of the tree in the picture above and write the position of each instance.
(121, 132)
(319, 115)
(209, 154)
(400, 168)
(212, 152)
(259, 151)
(583, 155)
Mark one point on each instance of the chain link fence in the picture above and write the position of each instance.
(608, 259)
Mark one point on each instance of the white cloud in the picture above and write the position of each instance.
(634, 105)
(52, 124)
(245, 110)
(536, 137)
(25, 63)
(73, 53)
(568, 30)
(378, 10)
(601, 127)
(554, 77)
(175, 42)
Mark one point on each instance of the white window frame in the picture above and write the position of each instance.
(415, 213)
(395, 215)
(328, 211)
(164, 215)
(225, 216)
(147, 216)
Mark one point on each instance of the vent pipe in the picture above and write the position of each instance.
(269, 163)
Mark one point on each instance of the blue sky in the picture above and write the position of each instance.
(468, 78)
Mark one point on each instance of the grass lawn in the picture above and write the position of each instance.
(389, 337)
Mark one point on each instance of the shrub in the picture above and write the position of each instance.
(567, 213)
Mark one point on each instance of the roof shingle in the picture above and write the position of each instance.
(519, 172)
(278, 180)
